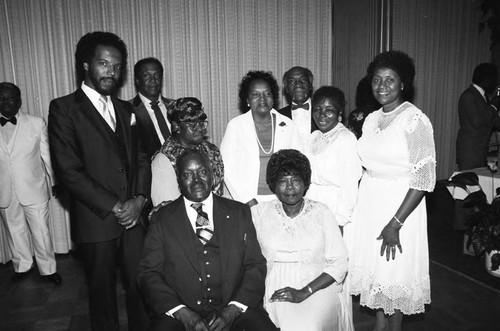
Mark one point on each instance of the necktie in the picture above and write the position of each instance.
(303, 106)
(202, 224)
(4, 120)
(165, 132)
(107, 114)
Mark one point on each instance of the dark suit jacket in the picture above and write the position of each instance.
(87, 163)
(287, 111)
(146, 126)
(477, 120)
(169, 273)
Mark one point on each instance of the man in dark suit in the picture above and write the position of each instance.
(98, 158)
(202, 267)
(298, 86)
(150, 107)
(478, 117)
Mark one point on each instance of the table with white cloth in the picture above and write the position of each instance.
(488, 182)
(59, 229)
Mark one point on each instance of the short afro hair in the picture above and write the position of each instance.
(248, 79)
(141, 62)
(483, 72)
(331, 92)
(398, 61)
(288, 162)
(10, 86)
(85, 50)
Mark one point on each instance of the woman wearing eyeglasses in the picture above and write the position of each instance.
(189, 127)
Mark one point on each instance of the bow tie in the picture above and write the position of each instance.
(303, 106)
(4, 120)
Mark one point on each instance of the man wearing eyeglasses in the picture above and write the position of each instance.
(150, 107)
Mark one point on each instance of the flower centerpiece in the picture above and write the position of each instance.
(484, 228)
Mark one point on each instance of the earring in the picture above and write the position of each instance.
(248, 105)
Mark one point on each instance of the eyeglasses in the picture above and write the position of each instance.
(202, 125)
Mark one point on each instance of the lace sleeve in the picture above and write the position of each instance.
(422, 153)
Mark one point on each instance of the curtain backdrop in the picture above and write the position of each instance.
(356, 35)
(443, 39)
(441, 36)
(206, 46)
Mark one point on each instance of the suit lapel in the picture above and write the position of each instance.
(86, 107)
(18, 131)
(224, 228)
(183, 231)
(124, 118)
(143, 117)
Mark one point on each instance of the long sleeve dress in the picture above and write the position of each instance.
(397, 151)
(297, 251)
(336, 170)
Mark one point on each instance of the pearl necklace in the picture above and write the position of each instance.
(272, 138)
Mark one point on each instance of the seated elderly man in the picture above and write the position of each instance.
(202, 267)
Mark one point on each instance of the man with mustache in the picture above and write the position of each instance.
(99, 160)
(202, 267)
(150, 107)
(298, 87)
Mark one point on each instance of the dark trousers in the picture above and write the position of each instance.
(101, 262)
(252, 320)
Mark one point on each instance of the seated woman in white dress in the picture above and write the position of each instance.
(336, 167)
(189, 128)
(306, 256)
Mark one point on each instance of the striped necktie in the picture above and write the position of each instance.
(203, 230)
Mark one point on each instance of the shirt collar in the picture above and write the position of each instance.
(480, 89)
(307, 102)
(146, 101)
(92, 94)
(208, 202)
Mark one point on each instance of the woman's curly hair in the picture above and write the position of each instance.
(288, 162)
(331, 92)
(250, 77)
(398, 61)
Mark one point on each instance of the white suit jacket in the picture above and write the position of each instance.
(25, 162)
(240, 152)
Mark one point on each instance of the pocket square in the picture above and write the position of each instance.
(132, 120)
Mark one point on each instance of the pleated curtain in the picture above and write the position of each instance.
(206, 46)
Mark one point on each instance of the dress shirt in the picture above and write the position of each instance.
(94, 97)
(302, 120)
(8, 130)
(481, 91)
(208, 207)
(151, 113)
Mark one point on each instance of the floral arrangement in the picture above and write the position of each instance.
(484, 226)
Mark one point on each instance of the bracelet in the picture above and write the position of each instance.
(397, 220)
(309, 289)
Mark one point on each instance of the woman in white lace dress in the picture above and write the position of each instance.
(389, 263)
(306, 256)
